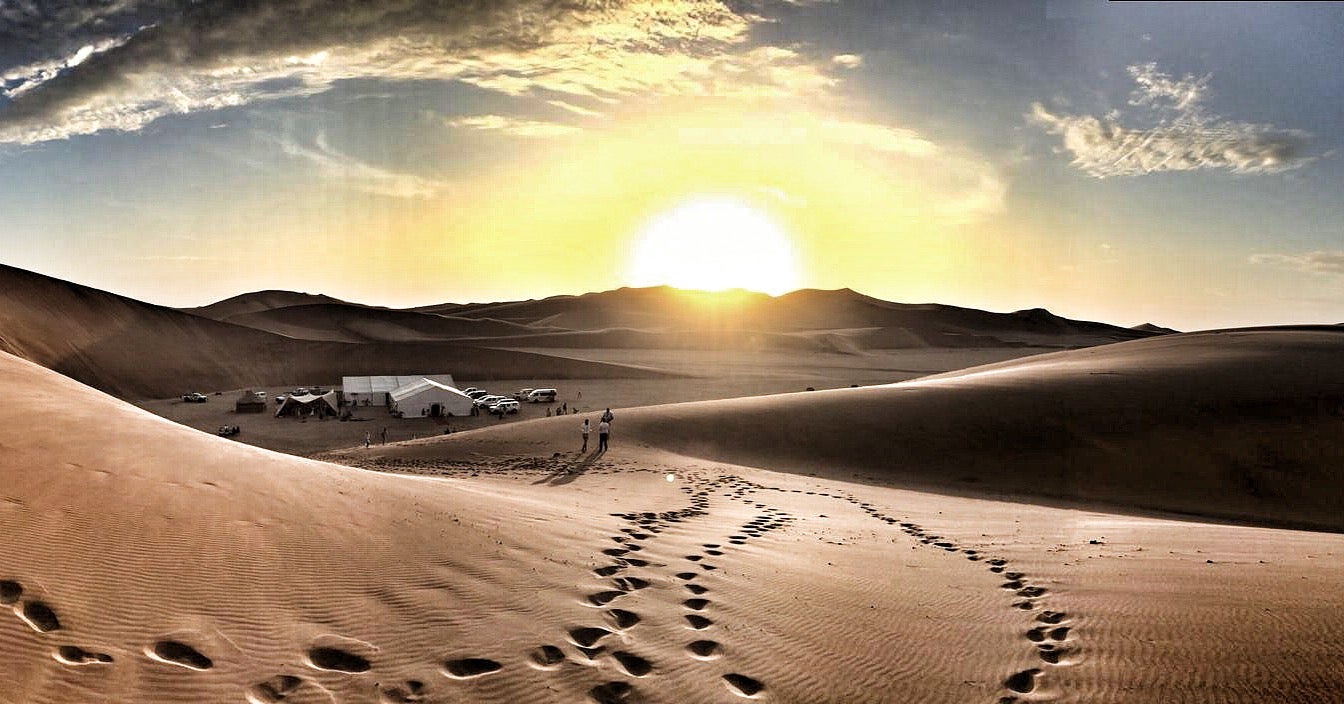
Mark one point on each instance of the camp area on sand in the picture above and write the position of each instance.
(1151, 520)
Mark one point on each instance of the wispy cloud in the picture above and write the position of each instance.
(1166, 127)
(513, 126)
(357, 174)
(187, 57)
(1319, 262)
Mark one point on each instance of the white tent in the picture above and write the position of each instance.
(324, 404)
(427, 397)
(373, 390)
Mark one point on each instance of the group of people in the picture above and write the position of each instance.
(603, 431)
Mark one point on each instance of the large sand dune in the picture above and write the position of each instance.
(1241, 425)
(143, 561)
(139, 350)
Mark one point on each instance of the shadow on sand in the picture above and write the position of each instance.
(569, 470)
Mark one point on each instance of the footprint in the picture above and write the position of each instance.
(715, 553)
(1051, 617)
(273, 690)
(546, 657)
(604, 598)
(1032, 592)
(1059, 633)
(615, 552)
(703, 649)
(468, 668)
(338, 660)
(624, 619)
(696, 604)
(630, 584)
(75, 655)
(695, 558)
(1024, 681)
(635, 562)
(587, 636)
(696, 588)
(633, 664)
(742, 685)
(177, 653)
(412, 691)
(611, 693)
(697, 622)
(686, 575)
(608, 571)
(10, 591)
(40, 616)
(1051, 653)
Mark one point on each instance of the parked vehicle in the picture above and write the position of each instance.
(507, 405)
(477, 394)
(488, 401)
(521, 394)
(542, 395)
(195, 397)
(470, 390)
(227, 431)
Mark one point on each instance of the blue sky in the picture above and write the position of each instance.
(1131, 162)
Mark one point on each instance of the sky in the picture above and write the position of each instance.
(1127, 162)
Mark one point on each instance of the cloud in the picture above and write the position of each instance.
(163, 58)
(1169, 129)
(847, 60)
(513, 126)
(357, 174)
(1319, 262)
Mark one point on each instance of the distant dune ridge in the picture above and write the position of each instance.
(806, 320)
(133, 349)
(281, 337)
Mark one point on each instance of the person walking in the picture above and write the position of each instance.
(585, 430)
(384, 436)
(603, 432)
(607, 417)
(368, 440)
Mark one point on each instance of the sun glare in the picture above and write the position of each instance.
(713, 244)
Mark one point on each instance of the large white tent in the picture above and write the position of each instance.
(427, 397)
(373, 390)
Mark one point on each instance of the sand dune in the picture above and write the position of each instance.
(102, 339)
(1241, 425)
(143, 561)
(741, 319)
(343, 322)
(258, 301)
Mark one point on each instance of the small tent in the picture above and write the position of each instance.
(249, 402)
(309, 404)
(427, 397)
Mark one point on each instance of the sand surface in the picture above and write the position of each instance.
(144, 561)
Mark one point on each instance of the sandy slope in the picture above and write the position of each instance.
(1235, 425)
(181, 567)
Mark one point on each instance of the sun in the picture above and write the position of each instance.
(714, 244)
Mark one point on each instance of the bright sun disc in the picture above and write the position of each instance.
(713, 244)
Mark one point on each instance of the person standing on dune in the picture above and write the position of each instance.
(585, 430)
(607, 417)
(603, 432)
